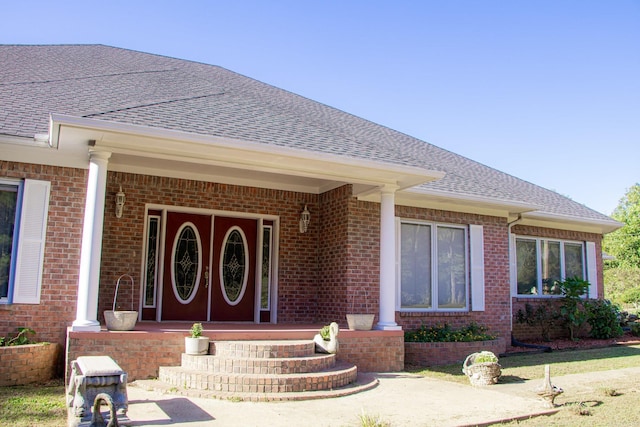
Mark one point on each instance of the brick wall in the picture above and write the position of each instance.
(27, 364)
(139, 354)
(373, 351)
(298, 252)
(497, 314)
(57, 307)
(445, 353)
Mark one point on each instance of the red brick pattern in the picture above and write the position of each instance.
(27, 364)
(445, 353)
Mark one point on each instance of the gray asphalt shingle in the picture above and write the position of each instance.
(132, 87)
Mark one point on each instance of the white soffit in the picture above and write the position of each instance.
(565, 222)
(140, 149)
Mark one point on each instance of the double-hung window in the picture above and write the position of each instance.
(433, 267)
(542, 263)
(23, 215)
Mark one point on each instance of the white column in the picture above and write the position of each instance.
(387, 317)
(89, 277)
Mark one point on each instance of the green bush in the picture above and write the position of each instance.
(635, 329)
(472, 332)
(604, 319)
(21, 338)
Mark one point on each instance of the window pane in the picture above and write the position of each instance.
(452, 280)
(415, 268)
(234, 266)
(551, 271)
(266, 268)
(526, 258)
(152, 262)
(573, 260)
(186, 263)
(8, 199)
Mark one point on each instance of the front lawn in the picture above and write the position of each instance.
(33, 405)
(606, 404)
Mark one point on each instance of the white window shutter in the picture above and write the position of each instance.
(31, 239)
(476, 240)
(592, 270)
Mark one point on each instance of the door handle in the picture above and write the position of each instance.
(206, 277)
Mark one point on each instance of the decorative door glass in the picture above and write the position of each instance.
(186, 263)
(233, 266)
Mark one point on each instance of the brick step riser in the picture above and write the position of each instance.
(243, 384)
(217, 364)
(266, 350)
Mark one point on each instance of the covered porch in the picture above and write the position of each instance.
(142, 351)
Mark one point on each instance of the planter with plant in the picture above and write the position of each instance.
(195, 343)
(482, 368)
(360, 321)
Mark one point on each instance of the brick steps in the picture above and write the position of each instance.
(244, 365)
(338, 376)
(261, 370)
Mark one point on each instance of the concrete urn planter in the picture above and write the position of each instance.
(360, 322)
(196, 346)
(120, 320)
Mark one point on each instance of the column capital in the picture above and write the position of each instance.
(389, 189)
(99, 155)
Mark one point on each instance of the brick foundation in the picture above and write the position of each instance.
(28, 364)
(445, 353)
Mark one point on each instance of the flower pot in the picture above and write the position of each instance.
(360, 322)
(196, 346)
(120, 320)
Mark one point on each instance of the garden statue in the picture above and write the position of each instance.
(327, 340)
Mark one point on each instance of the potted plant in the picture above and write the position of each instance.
(195, 343)
(482, 368)
(360, 321)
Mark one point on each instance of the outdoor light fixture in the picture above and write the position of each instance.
(305, 217)
(119, 203)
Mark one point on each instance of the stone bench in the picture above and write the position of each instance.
(90, 376)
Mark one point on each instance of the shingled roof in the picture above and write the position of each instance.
(125, 86)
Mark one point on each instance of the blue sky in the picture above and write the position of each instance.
(548, 91)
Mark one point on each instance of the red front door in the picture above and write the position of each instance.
(234, 269)
(185, 289)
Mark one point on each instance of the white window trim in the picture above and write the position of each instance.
(538, 240)
(434, 269)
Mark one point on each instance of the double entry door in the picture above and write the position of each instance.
(209, 268)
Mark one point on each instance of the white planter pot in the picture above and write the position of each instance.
(360, 322)
(196, 346)
(120, 320)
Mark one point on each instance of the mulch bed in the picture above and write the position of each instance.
(580, 344)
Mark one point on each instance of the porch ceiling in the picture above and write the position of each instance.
(153, 151)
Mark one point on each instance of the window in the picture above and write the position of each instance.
(151, 276)
(23, 224)
(541, 263)
(265, 282)
(433, 267)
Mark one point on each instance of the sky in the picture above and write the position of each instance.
(546, 90)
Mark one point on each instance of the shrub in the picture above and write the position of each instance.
(572, 308)
(541, 316)
(635, 329)
(21, 338)
(472, 332)
(604, 319)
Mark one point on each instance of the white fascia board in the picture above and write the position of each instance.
(27, 150)
(567, 222)
(448, 201)
(165, 144)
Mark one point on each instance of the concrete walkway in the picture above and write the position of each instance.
(400, 399)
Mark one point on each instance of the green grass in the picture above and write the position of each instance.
(529, 366)
(611, 404)
(33, 405)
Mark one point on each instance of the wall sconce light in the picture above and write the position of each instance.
(305, 217)
(119, 203)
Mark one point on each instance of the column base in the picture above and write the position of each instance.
(388, 327)
(85, 326)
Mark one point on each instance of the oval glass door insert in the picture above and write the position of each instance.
(186, 263)
(234, 269)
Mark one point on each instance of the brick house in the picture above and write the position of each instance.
(218, 173)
